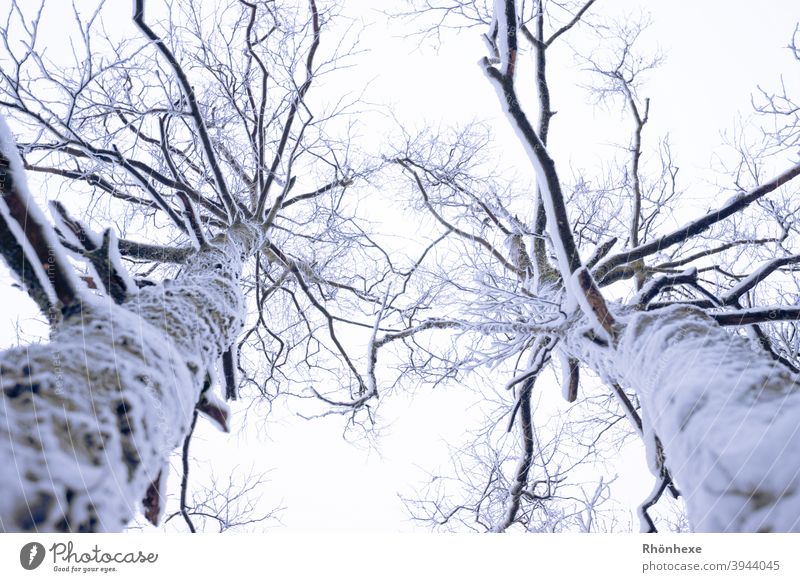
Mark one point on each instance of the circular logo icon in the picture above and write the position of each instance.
(31, 555)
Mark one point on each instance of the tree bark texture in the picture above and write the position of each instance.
(88, 420)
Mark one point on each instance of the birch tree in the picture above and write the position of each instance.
(206, 212)
(693, 339)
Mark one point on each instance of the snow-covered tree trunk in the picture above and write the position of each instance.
(725, 412)
(88, 420)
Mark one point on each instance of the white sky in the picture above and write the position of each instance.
(716, 51)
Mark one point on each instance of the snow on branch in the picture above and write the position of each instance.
(593, 304)
(539, 357)
(483, 328)
(101, 251)
(656, 285)
(213, 407)
(695, 227)
(14, 255)
(340, 183)
(156, 253)
(581, 289)
(372, 351)
(72, 230)
(119, 282)
(24, 222)
(570, 377)
(758, 315)
(756, 277)
(547, 177)
(505, 15)
(601, 251)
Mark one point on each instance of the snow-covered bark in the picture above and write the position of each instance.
(726, 413)
(88, 419)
